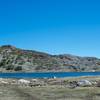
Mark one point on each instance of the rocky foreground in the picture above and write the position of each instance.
(19, 89)
(13, 59)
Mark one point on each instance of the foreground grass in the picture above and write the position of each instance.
(62, 93)
(49, 93)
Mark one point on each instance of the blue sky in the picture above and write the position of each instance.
(52, 26)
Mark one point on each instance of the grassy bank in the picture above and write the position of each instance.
(49, 93)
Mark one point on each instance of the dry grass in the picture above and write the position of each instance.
(62, 93)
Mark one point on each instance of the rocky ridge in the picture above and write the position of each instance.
(14, 59)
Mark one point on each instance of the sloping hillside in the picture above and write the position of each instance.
(15, 59)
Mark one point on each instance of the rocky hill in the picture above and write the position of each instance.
(14, 59)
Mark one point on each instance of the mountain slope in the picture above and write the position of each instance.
(15, 59)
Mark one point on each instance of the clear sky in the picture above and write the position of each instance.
(52, 26)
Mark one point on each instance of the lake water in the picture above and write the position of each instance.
(48, 74)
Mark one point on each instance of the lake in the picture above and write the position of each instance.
(48, 74)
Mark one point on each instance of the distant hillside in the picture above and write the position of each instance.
(15, 59)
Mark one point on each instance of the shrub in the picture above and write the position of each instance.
(9, 67)
(18, 68)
